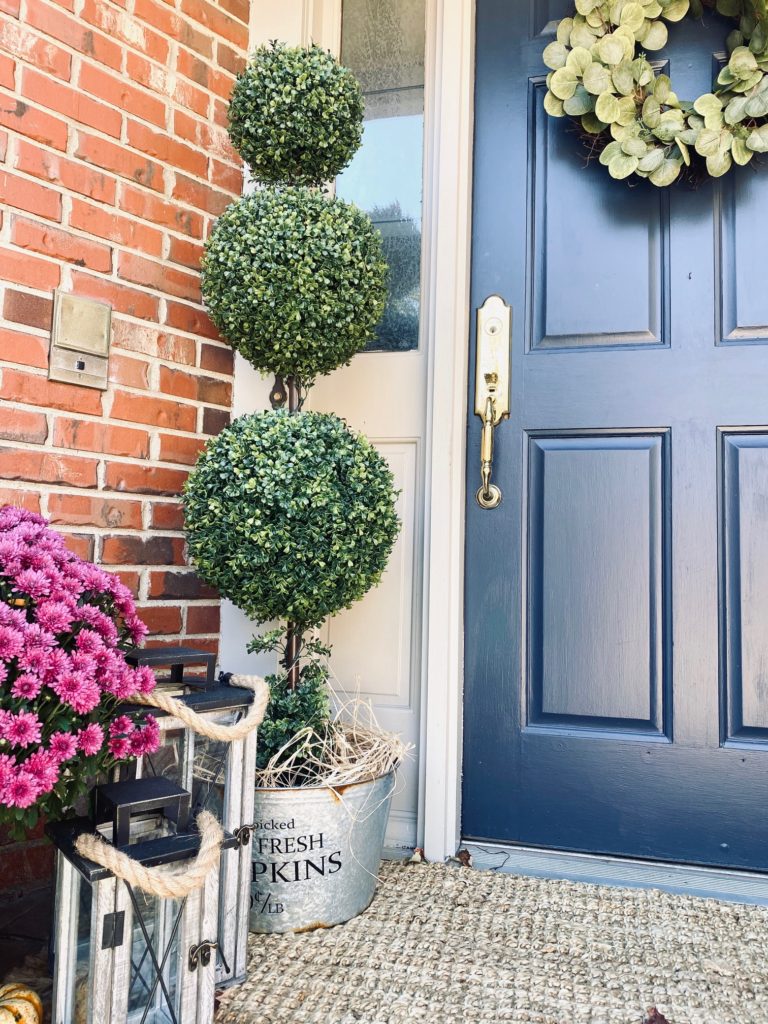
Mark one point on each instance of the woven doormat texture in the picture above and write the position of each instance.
(444, 945)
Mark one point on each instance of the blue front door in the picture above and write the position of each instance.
(616, 696)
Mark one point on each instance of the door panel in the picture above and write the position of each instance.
(616, 660)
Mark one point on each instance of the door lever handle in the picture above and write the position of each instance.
(494, 320)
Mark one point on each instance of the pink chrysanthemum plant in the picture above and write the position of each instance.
(64, 628)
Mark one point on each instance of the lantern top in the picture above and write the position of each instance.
(175, 658)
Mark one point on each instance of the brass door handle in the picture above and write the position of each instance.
(494, 322)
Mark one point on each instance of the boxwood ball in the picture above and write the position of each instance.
(294, 280)
(295, 116)
(290, 516)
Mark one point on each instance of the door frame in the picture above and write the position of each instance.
(447, 234)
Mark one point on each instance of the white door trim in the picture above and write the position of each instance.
(447, 232)
(447, 225)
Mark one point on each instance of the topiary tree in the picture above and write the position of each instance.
(290, 514)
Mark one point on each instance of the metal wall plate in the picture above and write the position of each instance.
(80, 340)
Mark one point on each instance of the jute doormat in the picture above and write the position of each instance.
(443, 945)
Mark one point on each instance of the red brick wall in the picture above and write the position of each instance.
(114, 161)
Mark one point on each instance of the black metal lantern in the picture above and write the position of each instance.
(123, 953)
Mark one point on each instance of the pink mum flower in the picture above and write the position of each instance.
(21, 790)
(78, 691)
(54, 616)
(11, 642)
(22, 729)
(44, 768)
(121, 724)
(90, 739)
(7, 769)
(119, 747)
(27, 686)
(63, 746)
(33, 582)
(88, 642)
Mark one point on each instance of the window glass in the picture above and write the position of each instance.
(383, 41)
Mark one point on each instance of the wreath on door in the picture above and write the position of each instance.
(600, 75)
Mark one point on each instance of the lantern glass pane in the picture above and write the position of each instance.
(210, 768)
(169, 760)
(146, 995)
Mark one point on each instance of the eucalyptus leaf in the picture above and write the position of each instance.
(634, 147)
(579, 60)
(622, 166)
(708, 142)
(740, 153)
(607, 107)
(676, 10)
(632, 16)
(580, 103)
(611, 49)
(668, 172)
(656, 36)
(555, 55)
(719, 164)
(651, 111)
(553, 106)
(592, 124)
(736, 110)
(623, 79)
(597, 79)
(652, 160)
(662, 87)
(563, 84)
(564, 29)
(758, 140)
(613, 149)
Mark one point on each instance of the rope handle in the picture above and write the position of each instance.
(168, 883)
(199, 724)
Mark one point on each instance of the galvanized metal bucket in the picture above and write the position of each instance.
(315, 853)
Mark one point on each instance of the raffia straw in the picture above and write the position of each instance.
(353, 749)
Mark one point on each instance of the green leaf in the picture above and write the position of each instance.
(756, 106)
(736, 110)
(563, 83)
(592, 124)
(553, 106)
(708, 142)
(597, 79)
(742, 63)
(622, 166)
(707, 104)
(667, 173)
(652, 160)
(623, 79)
(580, 103)
(758, 140)
(607, 107)
(634, 147)
(719, 164)
(555, 55)
(579, 60)
(632, 16)
(740, 153)
(627, 110)
(612, 150)
(564, 28)
(611, 50)
(656, 37)
(676, 10)
(651, 111)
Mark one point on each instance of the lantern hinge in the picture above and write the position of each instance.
(201, 954)
(112, 932)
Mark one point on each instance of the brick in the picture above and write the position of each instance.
(123, 300)
(29, 47)
(81, 544)
(70, 102)
(10, 7)
(157, 411)
(22, 268)
(121, 94)
(167, 515)
(133, 550)
(153, 342)
(216, 21)
(159, 16)
(195, 39)
(67, 29)
(47, 467)
(33, 389)
(25, 349)
(85, 510)
(152, 76)
(166, 149)
(111, 225)
(3, 145)
(159, 212)
(220, 113)
(162, 619)
(203, 197)
(73, 176)
(200, 389)
(203, 134)
(61, 245)
(214, 421)
(144, 479)
(203, 619)
(133, 373)
(175, 585)
(111, 157)
(31, 310)
(187, 253)
(180, 449)
(216, 358)
(120, 25)
(189, 319)
(138, 270)
(29, 196)
(191, 97)
(7, 69)
(229, 59)
(100, 437)
(194, 68)
(34, 123)
(227, 177)
(237, 8)
(21, 425)
(129, 579)
(20, 499)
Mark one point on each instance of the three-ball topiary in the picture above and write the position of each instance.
(296, 115)
(290, 516)
(294, 280)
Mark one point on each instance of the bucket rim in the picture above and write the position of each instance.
(318, 789)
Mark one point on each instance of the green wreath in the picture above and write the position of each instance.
(599, 77)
